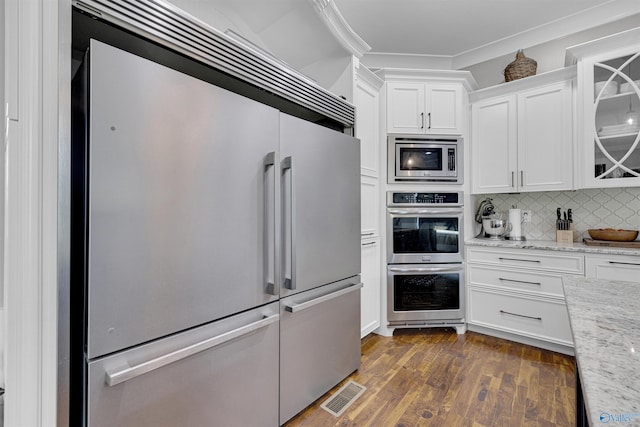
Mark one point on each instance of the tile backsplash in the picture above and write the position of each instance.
(592, 208)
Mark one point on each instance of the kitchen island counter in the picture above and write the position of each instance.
(552, 245)
(604, 317)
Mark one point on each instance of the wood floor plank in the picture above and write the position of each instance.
(434, 377)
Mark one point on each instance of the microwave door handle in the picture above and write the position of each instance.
(270, 224)
(289, 251)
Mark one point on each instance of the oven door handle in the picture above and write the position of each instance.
(423, 269)
(437, 211)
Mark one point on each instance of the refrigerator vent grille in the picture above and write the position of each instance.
(343, 398)
(164, 23)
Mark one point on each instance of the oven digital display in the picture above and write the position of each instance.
(425, 198)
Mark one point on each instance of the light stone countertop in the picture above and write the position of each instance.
(605, 322)
(552, 245)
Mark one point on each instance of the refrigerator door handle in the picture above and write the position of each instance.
(120, 376)
(270, 224)
(289, 250)
(294, 308)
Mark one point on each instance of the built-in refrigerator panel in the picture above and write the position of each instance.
(176, 205)
(221, 374)
(319, 342)
(320, 205)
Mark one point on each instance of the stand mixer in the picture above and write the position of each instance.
(492, 226)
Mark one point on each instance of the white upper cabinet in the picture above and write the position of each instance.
(367, 102)
(608, 110)
(611, 119)
(424, 108)
(522, 140)
(494, 145)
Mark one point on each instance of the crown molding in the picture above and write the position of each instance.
(377, 60)
(335, 22)
(554, 76)
(442, 76)
(604, 44)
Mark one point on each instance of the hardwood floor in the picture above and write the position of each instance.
(434, 377)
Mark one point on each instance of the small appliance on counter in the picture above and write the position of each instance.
(493, 225)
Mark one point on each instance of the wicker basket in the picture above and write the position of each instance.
(521, 67)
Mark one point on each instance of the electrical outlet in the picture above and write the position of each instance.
(526, 216)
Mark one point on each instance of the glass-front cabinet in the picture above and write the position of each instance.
(611, 118)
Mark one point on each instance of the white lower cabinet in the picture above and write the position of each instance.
(371, 291)
(613, 267)
(517, 294)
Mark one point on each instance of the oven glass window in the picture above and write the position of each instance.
(425, 235)
(421, 159)
(422, 292)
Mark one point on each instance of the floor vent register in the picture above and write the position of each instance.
(343, 398)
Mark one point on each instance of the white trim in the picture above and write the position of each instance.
(399, 60)
(343, 33)
(30, 277)
(550, 77)
(601, 45)
(440, 76)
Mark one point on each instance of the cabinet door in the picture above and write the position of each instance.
(545, 139)
(611, 267)
(405, 108)
(370, 224)
(494, 145)
(367, 105)
(370, 294)
(444, 109)
(610, 91)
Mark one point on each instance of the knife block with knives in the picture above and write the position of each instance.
(564, 226)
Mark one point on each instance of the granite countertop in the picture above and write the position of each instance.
(552, 245)
(605, 321)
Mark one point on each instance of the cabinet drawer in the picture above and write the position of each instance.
(613, 267)
(556, 261)
(541, 319)
(518, 280)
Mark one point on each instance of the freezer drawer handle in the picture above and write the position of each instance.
(294, 308)
(115, 378)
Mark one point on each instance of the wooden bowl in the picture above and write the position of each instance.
(613, 234)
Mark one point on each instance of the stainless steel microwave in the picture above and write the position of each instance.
(432, 159)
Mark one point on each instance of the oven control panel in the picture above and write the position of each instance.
(400, 198)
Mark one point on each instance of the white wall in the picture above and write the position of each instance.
(549, 56)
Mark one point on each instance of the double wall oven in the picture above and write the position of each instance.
(425, 269)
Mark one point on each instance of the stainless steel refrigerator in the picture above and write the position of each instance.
(215, 251)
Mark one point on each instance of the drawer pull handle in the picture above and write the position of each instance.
(519, 281)
(623, 263)
(518, 259)
(369, 243)
(520, 315)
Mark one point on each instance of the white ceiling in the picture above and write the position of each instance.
(473, 28)
(455, 33)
